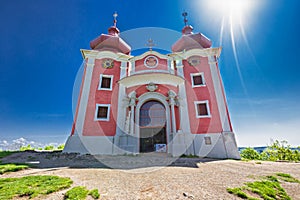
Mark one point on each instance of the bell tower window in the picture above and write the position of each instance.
(105, 82)
(202, 109)
(197, 79)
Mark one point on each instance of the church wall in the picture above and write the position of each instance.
(102, 128)
(162, 65)
(203, 125)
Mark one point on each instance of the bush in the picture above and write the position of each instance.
(50, 147)
(275, 152)
(250, 154)
(61, 147)
(25, 148)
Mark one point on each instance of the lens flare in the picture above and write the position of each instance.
(232, 13)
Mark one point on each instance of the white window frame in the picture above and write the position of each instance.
(207, 107)
(203, 79)
(96, 112)
(105, 76)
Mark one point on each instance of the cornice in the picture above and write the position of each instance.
(104, 54)
(159, 78)
(149, 53)
(200, 52)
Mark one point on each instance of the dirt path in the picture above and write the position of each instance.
(203, 180)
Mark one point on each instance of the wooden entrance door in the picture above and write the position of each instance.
(152, 125)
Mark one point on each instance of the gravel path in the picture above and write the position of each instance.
(186, 179)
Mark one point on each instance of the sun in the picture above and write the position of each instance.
(235, 9)
(235, 17)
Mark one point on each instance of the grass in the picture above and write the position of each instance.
(32, 186)
(6, 153)
(80, 193)
(11, 168)
(287, 178)
(189, 156)
(94, 193)
(268, 188)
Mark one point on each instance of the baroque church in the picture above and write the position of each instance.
(171, 103)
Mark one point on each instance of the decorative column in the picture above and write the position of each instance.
(172, 103)
(132, 104)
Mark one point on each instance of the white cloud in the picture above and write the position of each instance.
(260, 133)
(18, 143)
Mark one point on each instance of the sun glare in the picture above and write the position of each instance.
(232, 14)
(232, 8)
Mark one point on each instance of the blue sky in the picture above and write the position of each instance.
(39, 59)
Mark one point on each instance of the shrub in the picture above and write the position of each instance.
(49, 147)
(61, 147)
(250, 154)
(275, 152)
(25, 148)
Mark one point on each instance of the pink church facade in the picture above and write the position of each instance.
(173, 103)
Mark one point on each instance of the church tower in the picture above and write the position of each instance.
(173, 103)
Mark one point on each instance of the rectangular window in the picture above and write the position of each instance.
(207, 140)
(102, 112)
(202, 109)
(197, 79)
(105, 82)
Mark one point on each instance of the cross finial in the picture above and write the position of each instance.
(115, 15)
(150, 44)
(185, 14)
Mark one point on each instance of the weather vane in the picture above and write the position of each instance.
(150, 44)
(185, 14)
(115, 15)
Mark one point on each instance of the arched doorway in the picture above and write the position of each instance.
(152, 122)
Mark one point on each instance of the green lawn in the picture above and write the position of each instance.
(80, 193)
(11, 168)
(32, 186)
(268, 188)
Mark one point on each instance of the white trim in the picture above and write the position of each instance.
(183, 109)
(96, 112)
(123, 68)
(197, 74)
(121, 114)
(155, 53)
(200, 52)
(151, 71)
(207, 108)
(179, 67)
(220, 96)
(104, 54)
(84, 96)
(100, 81)
(155, 63)
(157, 78)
